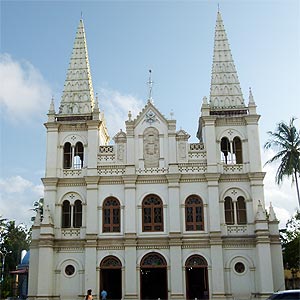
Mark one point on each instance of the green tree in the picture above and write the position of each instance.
(286, 140)
(14, 239)
(290, 239)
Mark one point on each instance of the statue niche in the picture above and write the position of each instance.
(151, 147)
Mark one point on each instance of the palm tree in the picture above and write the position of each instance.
(286, 139)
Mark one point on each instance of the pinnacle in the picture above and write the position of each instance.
(78, 95)
(225, 90)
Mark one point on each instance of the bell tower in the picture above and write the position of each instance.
(74, 135)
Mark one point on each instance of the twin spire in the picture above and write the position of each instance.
(225, 90)
(78, 94)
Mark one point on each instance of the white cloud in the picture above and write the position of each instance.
(24, 93)
(116, 106)
(17, 196)
(283, 197)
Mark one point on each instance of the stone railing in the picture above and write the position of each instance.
(233, 168)
(106, 154)
(152, 171)
(196, 147)
(73, 173)
(111, 170)
(192, 167)
(196, 151)
(236, 229)
(70, 232)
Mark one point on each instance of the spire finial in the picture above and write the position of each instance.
(218, 7)
(150, 83)
(81, 15)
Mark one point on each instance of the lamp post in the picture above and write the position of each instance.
(3, 254)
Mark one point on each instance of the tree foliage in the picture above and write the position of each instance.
(290, 238)
(14, 238)
(286, 140)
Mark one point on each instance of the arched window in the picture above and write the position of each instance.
(225, 150)
(67, 156)
(111, 215)
(194, 213)
(153, 260)
(229, 211)
(110, 262)
(77, 214)
(66, 214)
(78, 156)
(241, 210)
(237, 150)
(231, 152)
(152, 208)
(73, 157)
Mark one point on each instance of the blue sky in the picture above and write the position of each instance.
(125, 39)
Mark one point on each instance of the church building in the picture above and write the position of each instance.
(150, 215)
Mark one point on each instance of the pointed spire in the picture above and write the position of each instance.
(272, 215)
(51, 111)
(251, 103)
(225, 90)
(78, 95)
(51, 108)
(261, 214)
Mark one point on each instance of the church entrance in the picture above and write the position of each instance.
(196, 278)
(111, 277)
(153, 276)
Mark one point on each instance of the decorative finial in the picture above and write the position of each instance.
(251, 100)
(96, 106)
(218, 7)
(51, 108)
(81, 15)
(172, 114)
(129, 116)
(150, 83)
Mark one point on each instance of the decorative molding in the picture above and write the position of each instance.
(152, 171)
(111, 170)
(192, 167)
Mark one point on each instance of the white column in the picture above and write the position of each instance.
(90, 275)
(218, 281)
(213, 202)
(131, 274)
(210, 143)
(176, 273)
(92, 149)
(92, 223)
(52, 149)
(253, 143)
(173, 204)
(130, 205)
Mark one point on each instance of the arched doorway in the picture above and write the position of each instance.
(111, 277)
(153, 276)
(196, 278)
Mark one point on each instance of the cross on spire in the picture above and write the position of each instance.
(150, 84)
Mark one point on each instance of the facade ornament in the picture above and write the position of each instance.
(150, 117)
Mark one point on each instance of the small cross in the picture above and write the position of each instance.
(150, 83)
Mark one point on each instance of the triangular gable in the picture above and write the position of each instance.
(151, 115)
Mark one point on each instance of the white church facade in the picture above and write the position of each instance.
(152, 215)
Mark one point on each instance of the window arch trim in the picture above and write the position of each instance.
(153, 260)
